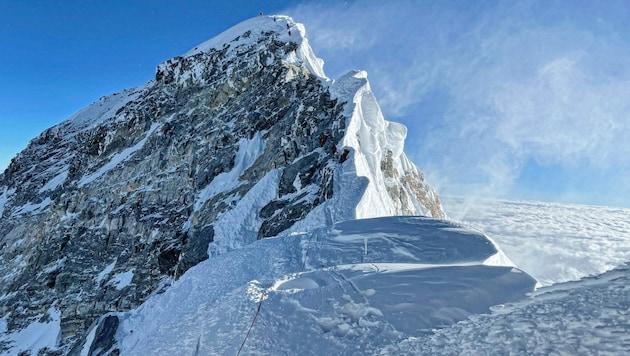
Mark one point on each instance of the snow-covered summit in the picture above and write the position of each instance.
(250, 31)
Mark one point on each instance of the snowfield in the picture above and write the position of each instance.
(589, 317)
(425, 287)
(322, 286)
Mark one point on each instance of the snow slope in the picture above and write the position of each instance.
(587, 317)
(433, 300)
(418, 274)
(346, 302)
(375, 141)
(43, 333)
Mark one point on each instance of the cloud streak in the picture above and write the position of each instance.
(489, 90)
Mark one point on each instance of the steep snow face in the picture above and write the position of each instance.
(97, 112)
(43, 333)
(396, 187)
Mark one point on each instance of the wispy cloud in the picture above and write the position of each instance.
(486, 89)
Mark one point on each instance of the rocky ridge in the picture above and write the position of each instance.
(113, 204)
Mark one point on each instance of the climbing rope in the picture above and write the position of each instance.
(262, 297)
(308, 247)
(263, 294)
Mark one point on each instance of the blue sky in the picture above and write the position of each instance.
(521, 100)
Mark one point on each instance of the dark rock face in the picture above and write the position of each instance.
(104, 341)
(124, 182)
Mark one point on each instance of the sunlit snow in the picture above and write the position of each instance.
(55, 181)
(105, 272)
(392, 285)
(121, 280)
(44, 332)
(418, 274)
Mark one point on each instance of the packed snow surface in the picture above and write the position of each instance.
(422, 288)
(589, 317)
(359, 284)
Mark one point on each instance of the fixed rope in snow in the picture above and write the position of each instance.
(262, 297)
(308, 247)
(198, 344)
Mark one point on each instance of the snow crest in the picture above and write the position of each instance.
(372, 140)
(249, 32)
(416, 274)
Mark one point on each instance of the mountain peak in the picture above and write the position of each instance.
(240, 139)
(250, 31)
